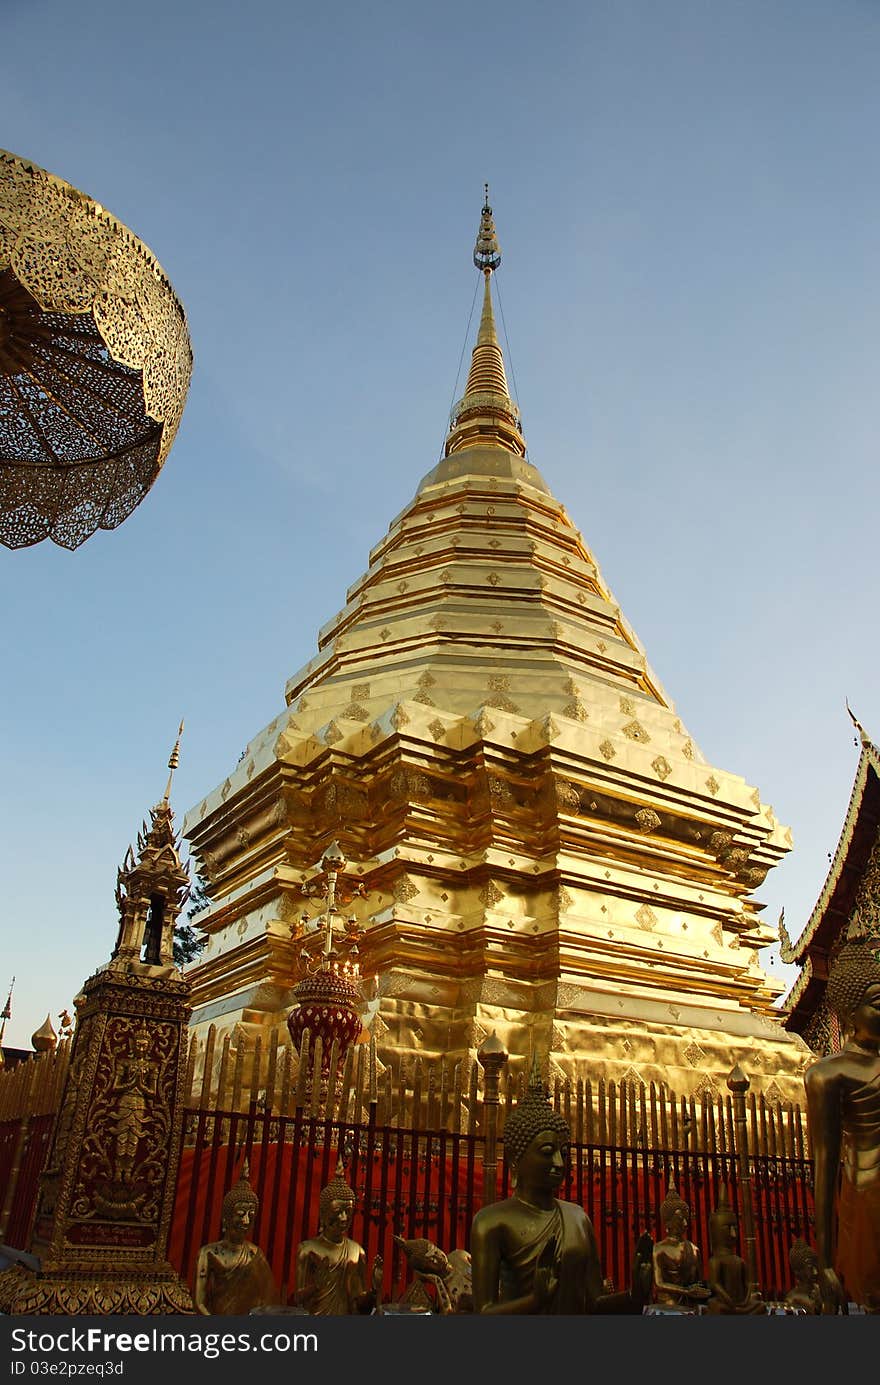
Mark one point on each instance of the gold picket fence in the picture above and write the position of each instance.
(30, 1094)
(447, 1094)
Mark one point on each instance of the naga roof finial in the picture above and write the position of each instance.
(863, 735)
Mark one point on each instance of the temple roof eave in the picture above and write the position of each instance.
(860, 826)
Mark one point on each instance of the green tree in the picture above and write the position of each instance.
(189, 941)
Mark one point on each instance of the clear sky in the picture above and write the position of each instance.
(687, 199)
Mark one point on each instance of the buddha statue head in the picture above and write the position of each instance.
(542, 1161)
(336, 1206)
(804, 1264)
(675, 1214)
(239, 1210)
(854, 984)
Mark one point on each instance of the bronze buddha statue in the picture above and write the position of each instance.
(233, 1275)
(533, 1252)
(677, 1267)
(331, 1267)
(843, 1117)
(728, 1272)
(805, 1267)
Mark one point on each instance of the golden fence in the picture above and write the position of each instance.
(447, 1094)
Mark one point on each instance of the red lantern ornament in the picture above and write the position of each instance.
(327, 1005)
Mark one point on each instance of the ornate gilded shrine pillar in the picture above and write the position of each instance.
(107, 1193)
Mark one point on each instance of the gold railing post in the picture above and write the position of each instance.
(739, 1084)
(14, 1172)
(492, 1057)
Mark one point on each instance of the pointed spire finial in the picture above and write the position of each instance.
(863, 735)
(173, 762)
(487, 251)
(486, 415)
(5, 1014)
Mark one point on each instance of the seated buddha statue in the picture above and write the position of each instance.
(233, 1275)
(728, 1271)
(533, 1252)
(677, 1269)
(805, 1267)
(331, 1267)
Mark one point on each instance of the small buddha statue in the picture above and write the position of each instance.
(442, 1283)
(843, 1119)
(331, 1267)
(533, 1252)
(677, 1270)
(728, 1272)
(233, 1275)
(805, 1267)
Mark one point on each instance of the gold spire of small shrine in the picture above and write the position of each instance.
(5, 1014)
(173, 762)
(486, 415)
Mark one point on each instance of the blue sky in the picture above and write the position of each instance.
(688, 204)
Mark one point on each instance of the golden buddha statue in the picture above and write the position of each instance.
(331, 1267)
(728, 1272)
(533, 1253)
(233, 1275)
(677, 1269)
(805, 1267)
(843, 1117)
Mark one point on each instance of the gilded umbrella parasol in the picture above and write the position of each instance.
(95, 362)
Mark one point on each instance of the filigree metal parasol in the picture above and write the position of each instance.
(95, 362)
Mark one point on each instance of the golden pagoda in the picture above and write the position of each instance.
(544, 851)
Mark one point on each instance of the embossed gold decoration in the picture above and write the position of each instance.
(95, 362)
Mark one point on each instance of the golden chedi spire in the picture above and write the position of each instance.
(531, 821)
(486, 414)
